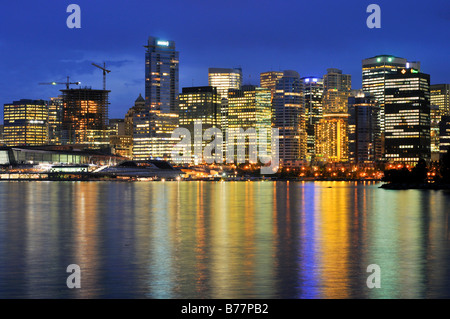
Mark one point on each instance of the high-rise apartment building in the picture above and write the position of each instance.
(336, 91)
(152, 135)
(289, 119)
(249, 115)
(440, 96)
(364, 129)
(312, 95)
(55, 117)
(440, 106)
(407, 116)
(444, 132)
(224, 80)
(161, 75)
(199, 110)
(85, 117)
(374, 72)
(332, 138)
(25, 123)
(268, 80)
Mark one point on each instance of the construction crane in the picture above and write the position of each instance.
(68, 83)
(104, 73)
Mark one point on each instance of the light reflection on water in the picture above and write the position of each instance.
(222, 240)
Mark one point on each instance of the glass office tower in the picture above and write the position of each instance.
(289, 118)
(161, 75)
(25, 123)
(407, 116)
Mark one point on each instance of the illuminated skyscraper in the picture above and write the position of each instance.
(225, 79)
(289, 118)
(199, 106)
(440, 106)
(336, 91)
(312, 95)
(85, 117)
(269, 80)
(249, 109)
(55, 116)
(161, 75)
(374, 72)
(407, 116)
(152, 134)
(444, 132)
(440, 96)
(25, 123)
(332, 138)
(364, 129)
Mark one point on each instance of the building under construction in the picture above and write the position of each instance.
(85, 117)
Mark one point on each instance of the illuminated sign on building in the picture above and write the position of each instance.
(163, 43)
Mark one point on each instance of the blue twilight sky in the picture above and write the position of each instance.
(261, 35)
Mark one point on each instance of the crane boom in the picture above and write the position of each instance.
(104, 73)
(67, 84)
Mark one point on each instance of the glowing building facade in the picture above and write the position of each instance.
(332, 138)
(364, 129)
(249, 116)
(312, 96)
(224, 80)
(374, 72)
(337, 88)
(289, 118)
(268, 80)
(55, 116)
(407, 116)
(25, 123)
(85, 117)
(152, 135)
(199, 110)
(161, 75)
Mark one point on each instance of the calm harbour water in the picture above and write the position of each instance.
(222, 240)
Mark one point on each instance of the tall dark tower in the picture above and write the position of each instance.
(161, 75)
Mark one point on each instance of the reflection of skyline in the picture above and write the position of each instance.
(222, 240)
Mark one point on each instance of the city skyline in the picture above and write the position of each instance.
(49, 51)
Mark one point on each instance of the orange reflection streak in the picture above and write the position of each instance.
(200, 234)
(86, 245)
(334, 237)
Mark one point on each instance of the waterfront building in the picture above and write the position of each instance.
(161, 75)
(85, 117)
(120, 143)
(269, 79)
(199, 106)
(249, 108)
(440, 96)
(225, 79)
(364, 129)
(289, 119)
(55, 116)
(312, 95)
(332, 138)
(336, 91)
(444, 135)
(25, 122)
(440, 106)
(152, 134)
(374, 72)
(407, 116)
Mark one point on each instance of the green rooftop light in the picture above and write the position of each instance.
(379, 60)
(390, 59)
